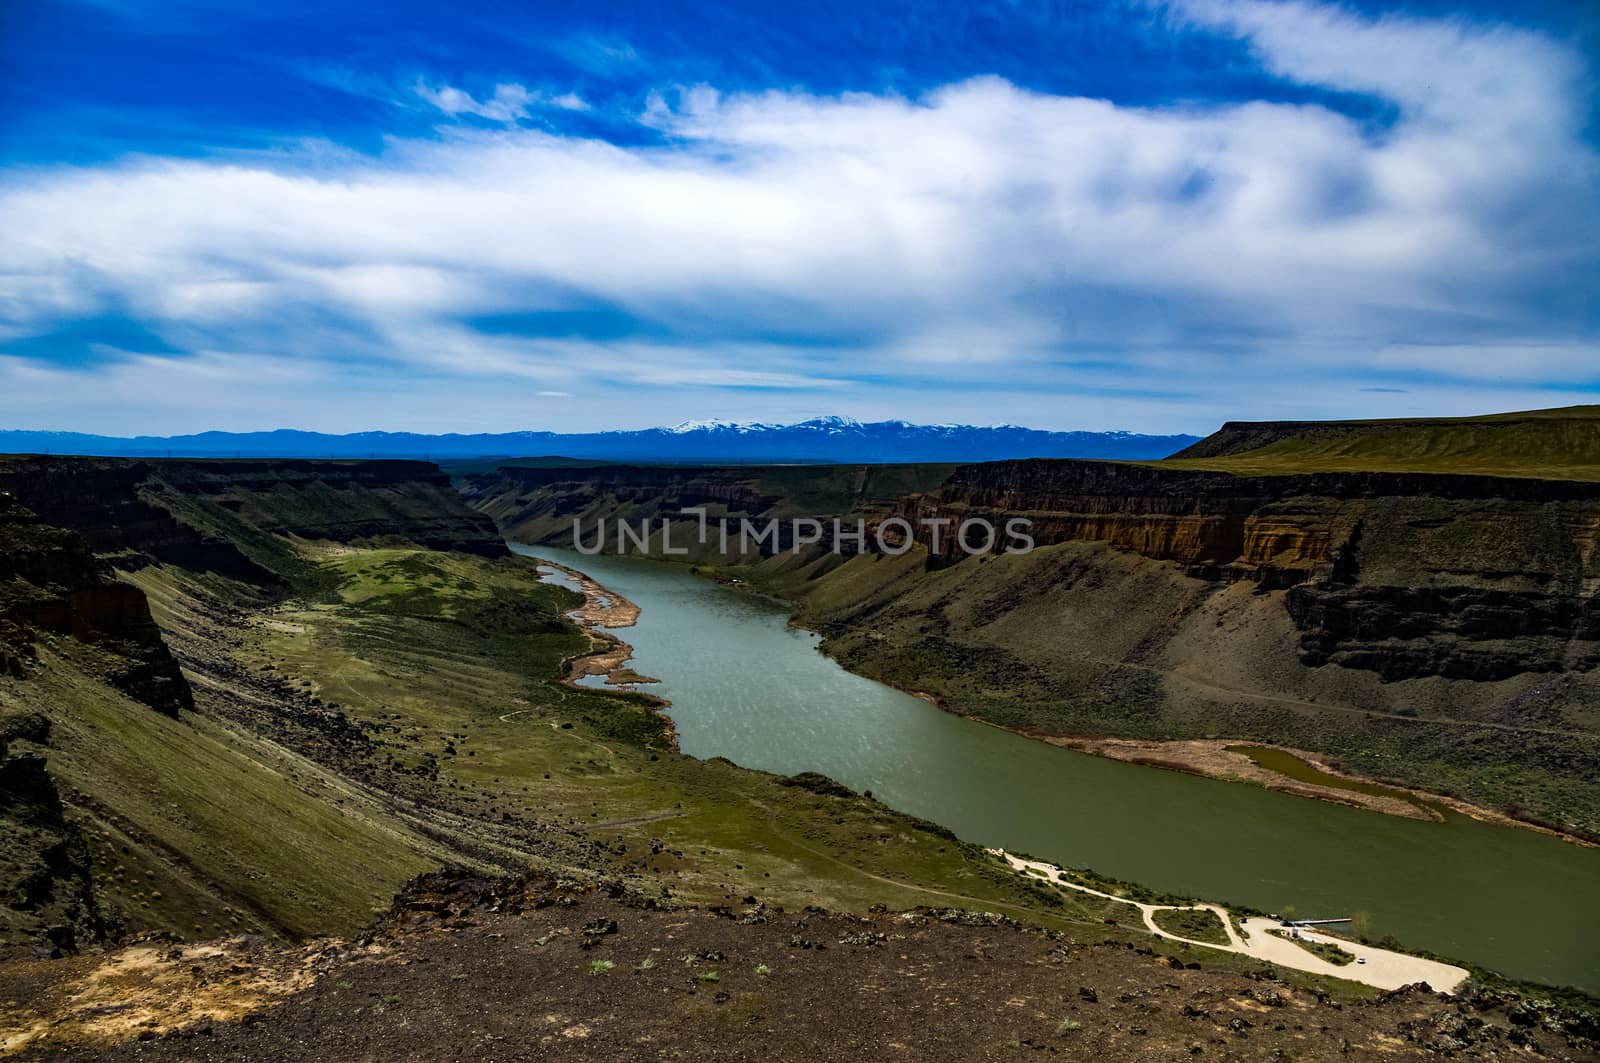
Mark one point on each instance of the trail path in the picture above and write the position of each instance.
(1383, 969)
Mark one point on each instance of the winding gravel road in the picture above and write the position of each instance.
(1383, 969)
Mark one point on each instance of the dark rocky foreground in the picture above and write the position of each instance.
(537, 968)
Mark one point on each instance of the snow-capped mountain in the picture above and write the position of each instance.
(821, 439)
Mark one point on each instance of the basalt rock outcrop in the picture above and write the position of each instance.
(542, 505)
(51, 582)
(517, 494)
(221, 516)
(46, 895)
(1407, 575)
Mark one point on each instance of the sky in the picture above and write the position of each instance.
(1152, 216)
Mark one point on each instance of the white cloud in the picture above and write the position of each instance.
(794, 243)
(509, 102)
(1444, 70)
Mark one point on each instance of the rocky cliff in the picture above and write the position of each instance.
(51, 582)
(1404, 574)
(522, 494)
(1434, 630)
(225, 516)
(53, 589)
(540, 505)
(45, 879)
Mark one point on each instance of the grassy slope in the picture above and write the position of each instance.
(1194, 924)
(1552, 444)
(1083, 639)
(199, 829)
(203, 826)
(398, 651)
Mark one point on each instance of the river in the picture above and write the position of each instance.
(747, 686)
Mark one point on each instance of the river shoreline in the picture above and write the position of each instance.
(1200, 757)
(1208, 758)
(605, 609)
(750, 687)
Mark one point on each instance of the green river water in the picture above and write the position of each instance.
(747, 686)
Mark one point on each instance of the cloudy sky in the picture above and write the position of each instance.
(1145, 215)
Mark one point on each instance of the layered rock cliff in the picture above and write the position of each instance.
(96, 773)
(45, 872)
(1404, 574)
(52, 588)
(224, 516)
(1434, 630)
(542, 505)
(51, 582)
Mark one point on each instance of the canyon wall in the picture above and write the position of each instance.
(540, 505)
(53, 589)
(1404, 574)
(1437, 631)
(106, 762)
(51, 582)
(224, 516)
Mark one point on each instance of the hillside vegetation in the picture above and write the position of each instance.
(1435, 631)
(1549, 444)
(365, 708)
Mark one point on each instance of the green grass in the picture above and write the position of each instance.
(1196, 924)
(404, 644)
(196, 828)
(1561, 444)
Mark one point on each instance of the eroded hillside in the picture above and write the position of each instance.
(352, 707)
(1434, 631)
(546, 504)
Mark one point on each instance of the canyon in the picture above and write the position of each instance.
(256, 698)
(1436, 631)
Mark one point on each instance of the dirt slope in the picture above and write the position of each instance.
(505, 970)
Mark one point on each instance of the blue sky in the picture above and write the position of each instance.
(1151, 215)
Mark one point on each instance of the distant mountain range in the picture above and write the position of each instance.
(823, 439)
